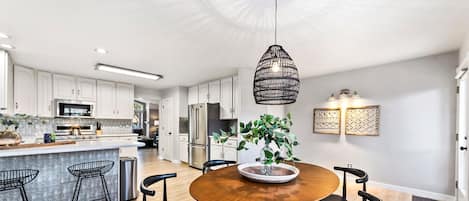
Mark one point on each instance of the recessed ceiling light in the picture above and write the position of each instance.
(100, 51)
(7, 46)
(4, 35)
(126, 71)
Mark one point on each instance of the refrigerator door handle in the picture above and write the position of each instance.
(196, 123)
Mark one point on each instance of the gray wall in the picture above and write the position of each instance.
(416, 143)
(464, 51)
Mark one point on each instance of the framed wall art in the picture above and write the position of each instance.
(362, 120)
(326, 121)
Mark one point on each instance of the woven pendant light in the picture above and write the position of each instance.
(276, 81)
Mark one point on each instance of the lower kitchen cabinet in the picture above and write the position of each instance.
(183, 148)
(227, 151)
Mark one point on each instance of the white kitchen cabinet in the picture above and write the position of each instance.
(64, 87)
(114, 100)
(86, 89)
(183, 148)
(193, 95)
(203, 93)
(6, 83)
(105, 105)
(235, 98)
(214, 91)
(216, 152)
(124, 101)
(44, 94)
(226, 98)
(72, 88)
(230, 154)
(24, 90)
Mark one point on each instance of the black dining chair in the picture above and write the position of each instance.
(144, 186)
(213, 163)
(362, 179)
(366, 196)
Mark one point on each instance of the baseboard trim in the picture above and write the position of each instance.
(409, 190)
(176, 161)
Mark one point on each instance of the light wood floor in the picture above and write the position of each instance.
(178, 188)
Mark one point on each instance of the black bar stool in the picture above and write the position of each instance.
(16, 179)
(368, 196)
(212, 163)
(91, 170)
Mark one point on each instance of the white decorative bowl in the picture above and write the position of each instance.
(281, 173)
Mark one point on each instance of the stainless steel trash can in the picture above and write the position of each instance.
(128, 178)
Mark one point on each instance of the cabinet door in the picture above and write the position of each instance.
(106, 100)
(203, 93)
(124, 101)
(193, 95)
(230, 154)
(183, 151)
(44, 94)
(6, 84)
(24, 90)
(235, 97)
(86, 89)
(214, 92)
(64, 87)
(216, 152)
(226, 98)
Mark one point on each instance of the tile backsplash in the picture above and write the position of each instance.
(36, 127)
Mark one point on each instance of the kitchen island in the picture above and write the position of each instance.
(54, 182)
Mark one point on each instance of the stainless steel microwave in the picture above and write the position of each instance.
(74, 109)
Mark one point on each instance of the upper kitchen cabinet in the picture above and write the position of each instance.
(86, 89)
(214, 91)
(64, 87)
(203, 93)
(105, 105)
(235, 97)
(44, 94)
(115, 100)
(124, 101)
(6, 83)
(24, 90)
(69, 87)
(193, 95)
(227, 98)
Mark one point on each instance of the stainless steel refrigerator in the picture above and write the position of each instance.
(204, 119)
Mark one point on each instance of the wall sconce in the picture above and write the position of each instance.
(344, 97)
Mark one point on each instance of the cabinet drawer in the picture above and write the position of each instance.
(231, 143)
(183, 138)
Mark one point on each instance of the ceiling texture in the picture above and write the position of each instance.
(190, 41)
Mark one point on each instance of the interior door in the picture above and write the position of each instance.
(462, 162)
(166, 129)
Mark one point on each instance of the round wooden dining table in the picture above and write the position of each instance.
(226, 184)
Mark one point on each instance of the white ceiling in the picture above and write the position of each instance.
(189, 41)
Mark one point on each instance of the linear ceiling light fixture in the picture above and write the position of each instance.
(126, 71)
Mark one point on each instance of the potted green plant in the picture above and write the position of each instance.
(275, 133)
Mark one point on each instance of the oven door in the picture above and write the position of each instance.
(74, 109)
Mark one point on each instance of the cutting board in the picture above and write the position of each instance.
(36, 145)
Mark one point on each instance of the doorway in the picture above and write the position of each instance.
(462, 160)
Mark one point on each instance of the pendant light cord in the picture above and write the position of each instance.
(275, 22)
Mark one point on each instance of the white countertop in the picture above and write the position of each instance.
(79, 146)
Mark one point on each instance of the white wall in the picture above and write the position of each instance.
(416, 143)
(464, 51)
(149, 95)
